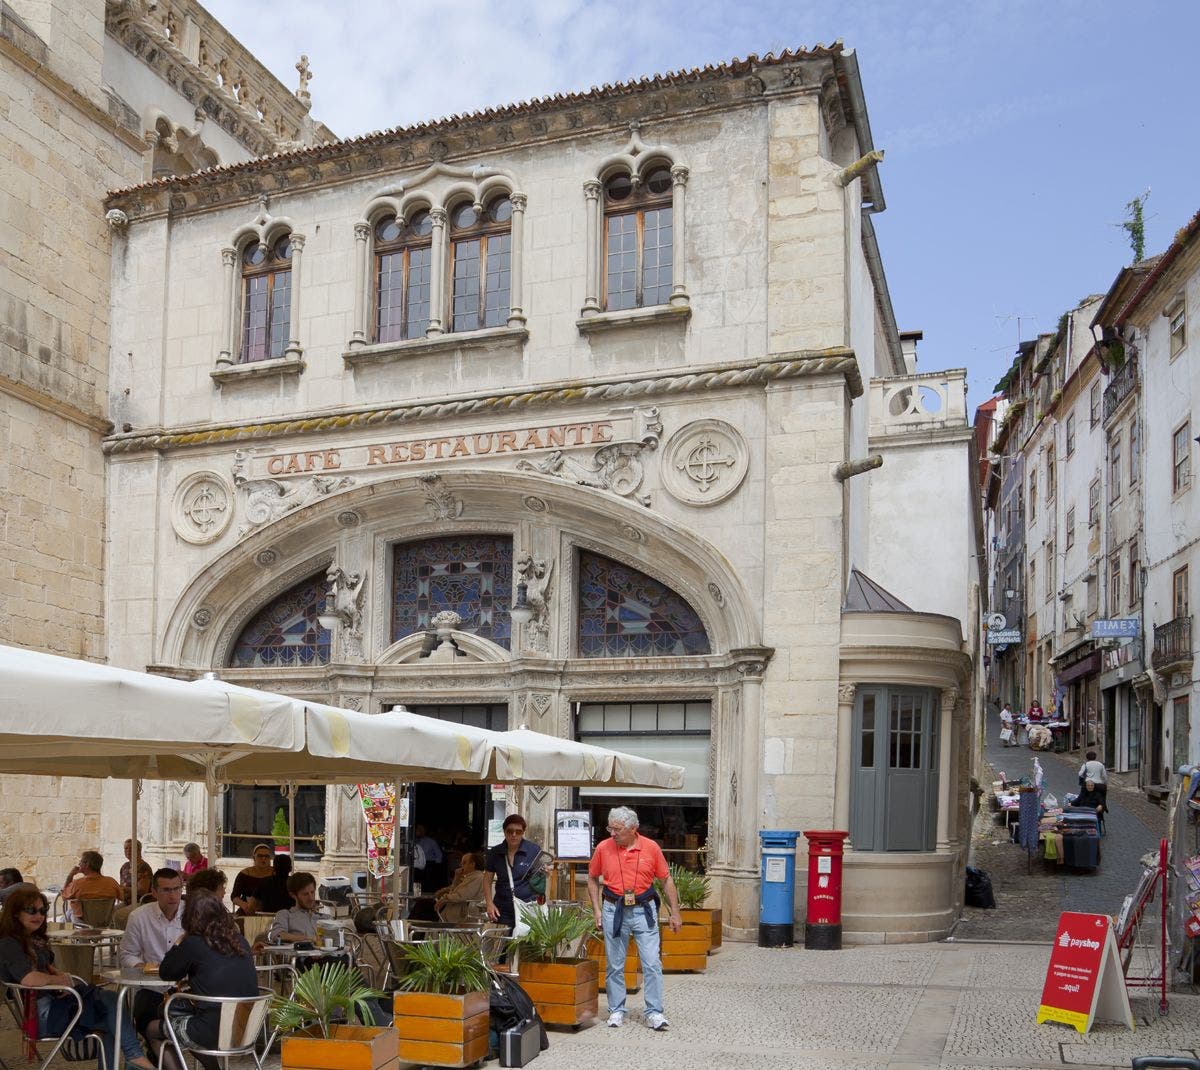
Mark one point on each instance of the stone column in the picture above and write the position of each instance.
(151, 137)
(293, 347)
(358, 333)
(949, 699)
(516, 262)
(679, 294)
(345, 830)
(229, 263)
(845, 750)
(437, 272)
(591, 295)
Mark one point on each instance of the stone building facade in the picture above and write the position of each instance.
(93, 96)
(632, 349)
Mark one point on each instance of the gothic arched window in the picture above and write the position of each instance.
(623, 613)
(266, 299)
(481, 255)
(285, 632)
(468, 574)
(403, 259)
(638, 239)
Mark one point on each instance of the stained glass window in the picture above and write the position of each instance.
(469, 574)
(285, 632)
(624, 613)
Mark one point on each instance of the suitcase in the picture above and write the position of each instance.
(521, 1044)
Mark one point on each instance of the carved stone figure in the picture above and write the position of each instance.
(345, 600)
(267, 500)
(538, 578)
(616, 468)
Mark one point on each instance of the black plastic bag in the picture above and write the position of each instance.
(979, 890)
(509, 1006)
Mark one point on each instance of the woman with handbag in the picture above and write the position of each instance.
(26, 958)
(508, 865)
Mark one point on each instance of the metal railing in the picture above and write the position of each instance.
(1120, 387)
(1172, 642)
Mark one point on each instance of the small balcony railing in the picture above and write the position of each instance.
(1120, 386)
(1172, 643)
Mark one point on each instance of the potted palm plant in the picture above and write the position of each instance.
(327, 1022)
(441, 1009)
(688, 949)
(564, 985)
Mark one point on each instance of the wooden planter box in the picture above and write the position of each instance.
(687, 950)
(441, 1030)
(565, 992)
(709, 916)
(633, 965)
(352, 1047)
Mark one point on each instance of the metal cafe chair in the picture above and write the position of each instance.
(279, 978)
(14, 999)
(238, 1033)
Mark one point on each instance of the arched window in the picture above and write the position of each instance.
(480, 252)
(285, 633)
(468, 574)
(624, 613)
(403, 256)
(638, 239)
(266, 299)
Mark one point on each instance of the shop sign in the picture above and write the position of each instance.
(1004, 637)
(1117, 628)
(1084, 980)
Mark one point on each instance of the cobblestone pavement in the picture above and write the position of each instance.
(950, 1006)
(1030, 897)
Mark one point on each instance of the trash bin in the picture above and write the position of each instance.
(823, 920)
(777, 888)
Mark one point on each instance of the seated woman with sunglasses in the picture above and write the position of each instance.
(27, 959)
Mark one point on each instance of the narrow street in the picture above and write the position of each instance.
(1030, 894)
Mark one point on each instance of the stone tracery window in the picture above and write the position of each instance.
(623, 613)
(403, 263)
(285, 633)
(638, 239)
(481, 258)
(266, 299)
(470, 575)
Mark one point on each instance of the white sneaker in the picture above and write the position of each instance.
(616, 1019)
(657, 1022)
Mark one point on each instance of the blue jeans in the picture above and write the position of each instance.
(648, 946)
(99, 1016)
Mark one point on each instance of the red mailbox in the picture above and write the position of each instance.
(823, 921)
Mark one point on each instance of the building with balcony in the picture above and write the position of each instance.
(633, 348)
(1148, 322)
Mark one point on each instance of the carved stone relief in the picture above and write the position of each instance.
(538, 577)
(704, 462)
(440, 503)
(203, 508)
(266, 500)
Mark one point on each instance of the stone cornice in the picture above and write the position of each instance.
(58, 406)
(465, 139)
(834, 361)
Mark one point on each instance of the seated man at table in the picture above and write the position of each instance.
(151, 931)
(10, 881)
(455, 902)
(298, 924)
(194, 860)
(145, 874)
(207, 880)
(86, 881)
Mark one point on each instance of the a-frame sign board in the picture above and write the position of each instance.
(1084, 981)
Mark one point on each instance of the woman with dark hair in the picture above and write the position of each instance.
(27, 959)
(214, 958)
(272, 894)
(245, 884)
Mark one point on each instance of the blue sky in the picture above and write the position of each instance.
(1015, 132)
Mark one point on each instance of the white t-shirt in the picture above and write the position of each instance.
(1094, 771)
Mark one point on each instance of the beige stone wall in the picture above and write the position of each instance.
(61, 152)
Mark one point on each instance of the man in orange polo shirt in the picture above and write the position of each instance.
(628, 906)
(86, 881)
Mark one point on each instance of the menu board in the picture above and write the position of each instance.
(572, 834)
(379, 810)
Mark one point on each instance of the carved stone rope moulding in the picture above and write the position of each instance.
(704, 462)
(203, 508)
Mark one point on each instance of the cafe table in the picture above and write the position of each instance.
(129, 979)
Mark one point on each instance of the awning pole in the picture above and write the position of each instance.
(134, 855)
(291, 794)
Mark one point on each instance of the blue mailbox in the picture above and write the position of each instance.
(777, 888)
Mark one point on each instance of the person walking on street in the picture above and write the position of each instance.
(1008, 735)
(508, 865)
(627, 906)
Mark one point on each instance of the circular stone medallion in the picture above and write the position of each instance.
(203, 508)
(704, 462)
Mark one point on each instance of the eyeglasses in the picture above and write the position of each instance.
(33, 910)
